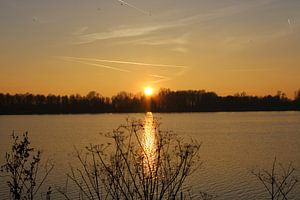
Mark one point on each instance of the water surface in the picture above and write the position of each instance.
(232, 144)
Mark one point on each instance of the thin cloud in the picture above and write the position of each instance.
(119, 33)
(126, 62)
(177, 43)
(172, 70)
(180, 49)
(291, 23)
(163, 78)
(205, 18)
(158, 40)
(159, 78)
(95, 64)
(80, 30)
(137, 31)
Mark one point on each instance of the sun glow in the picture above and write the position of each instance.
(148, 91)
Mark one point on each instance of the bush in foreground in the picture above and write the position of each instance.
(279, 181)
(140, 162)
(22, 167)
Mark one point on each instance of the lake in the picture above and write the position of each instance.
(233, 144)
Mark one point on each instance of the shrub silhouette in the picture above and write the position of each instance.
(126, 168)
(22, 167)
(278, 182)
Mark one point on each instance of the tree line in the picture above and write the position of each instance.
(165, 100)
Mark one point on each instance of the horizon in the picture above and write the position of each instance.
(155, 92)
(111, 46)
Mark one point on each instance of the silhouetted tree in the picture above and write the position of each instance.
(297, 95)
(165, 101)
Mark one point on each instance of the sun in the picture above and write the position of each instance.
(148, 91)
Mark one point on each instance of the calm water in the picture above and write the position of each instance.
(233, 145)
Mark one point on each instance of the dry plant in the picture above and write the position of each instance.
(133, 166)
(277, 182)
(22, 167)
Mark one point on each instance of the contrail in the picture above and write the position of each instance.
(129, 62)
(159, 78)
(134, 7)
(100, 65)
(155, 77)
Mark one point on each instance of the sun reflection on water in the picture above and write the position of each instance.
(149, 140)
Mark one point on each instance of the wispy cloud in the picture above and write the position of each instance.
(120, 33)
(178, 43)
(158, 78)
(72, 59)
(163, 23)
(124, 62)
(159, 40)
(291, 23)
(180, 49)
(225, 11)
(80, 30)
(164, 73)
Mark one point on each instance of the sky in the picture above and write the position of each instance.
(76, 46)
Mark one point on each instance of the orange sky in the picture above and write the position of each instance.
(64, 47)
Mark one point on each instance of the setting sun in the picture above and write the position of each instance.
(148, 91)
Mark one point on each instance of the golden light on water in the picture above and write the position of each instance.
(149, 142)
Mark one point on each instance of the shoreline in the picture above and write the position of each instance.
(169, 112)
